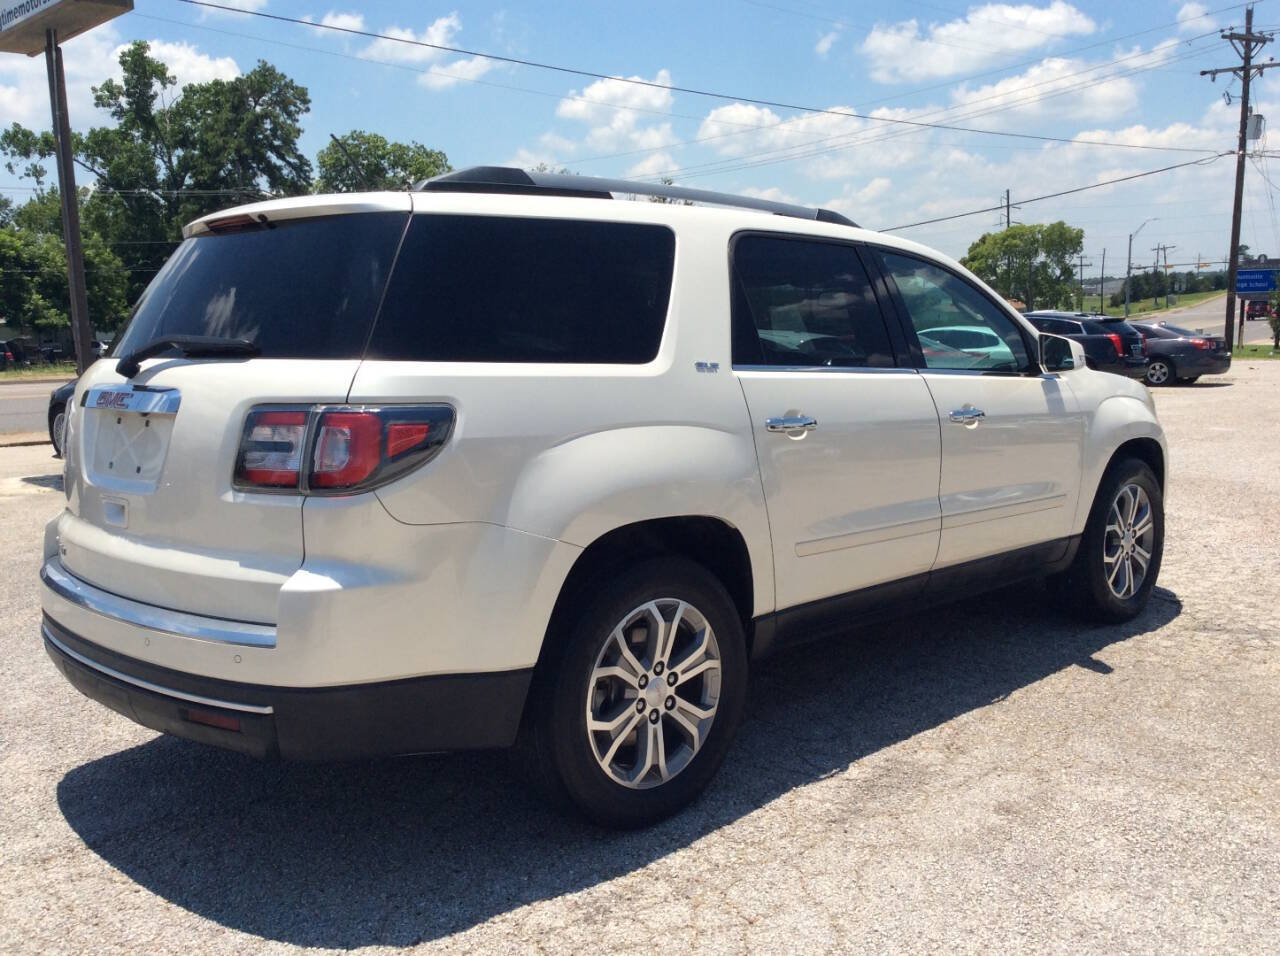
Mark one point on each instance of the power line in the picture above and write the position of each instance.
(734, 164)
(651, 84)
(1064, 192)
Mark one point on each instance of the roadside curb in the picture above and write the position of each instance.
(37, 380)
(23, 439)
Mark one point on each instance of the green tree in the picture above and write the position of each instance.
(34, 296)
(360, 161)
(1031, 263)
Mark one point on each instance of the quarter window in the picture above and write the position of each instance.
(498, 289)
(805, 303)
(958, 327)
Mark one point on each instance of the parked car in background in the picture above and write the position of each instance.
(58, 401)
(1110, 343)
(500, 460)
(1257, 309)
(13, 354)
(1180, 355)
(974, 339)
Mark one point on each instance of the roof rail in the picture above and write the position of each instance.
(508, 179)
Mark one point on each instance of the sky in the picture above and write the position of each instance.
(1085, 73)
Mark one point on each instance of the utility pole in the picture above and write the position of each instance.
(1245, 44)
(1163, 250)
(1102, 284)
(1128, 268)
(1082, 265)
(1006, 209)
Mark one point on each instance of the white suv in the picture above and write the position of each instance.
(501, 460)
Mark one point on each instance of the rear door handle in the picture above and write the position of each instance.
(792, 424)
(968, 416)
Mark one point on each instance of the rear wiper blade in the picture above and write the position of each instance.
(192, 346)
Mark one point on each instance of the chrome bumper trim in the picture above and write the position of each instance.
(147, 685)
(179, 623)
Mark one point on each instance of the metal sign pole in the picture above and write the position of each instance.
(81, 334)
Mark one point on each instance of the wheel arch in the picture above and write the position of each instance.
(710, 541)
(1123, 426)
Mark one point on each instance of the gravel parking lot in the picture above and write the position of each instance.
(986, 776)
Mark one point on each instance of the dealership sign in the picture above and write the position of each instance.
(24, 22)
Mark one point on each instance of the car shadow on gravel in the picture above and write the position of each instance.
(400, 851)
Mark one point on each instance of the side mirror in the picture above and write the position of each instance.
(1059, 354)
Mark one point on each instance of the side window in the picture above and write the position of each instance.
(802, 302)
(1058, 327)
(958, 327)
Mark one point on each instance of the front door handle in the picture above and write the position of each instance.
(794, 423)
(968, 415)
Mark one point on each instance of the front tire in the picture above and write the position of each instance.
(1159, 372)
(638, 709)
(1115, 569)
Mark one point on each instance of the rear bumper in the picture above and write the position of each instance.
(414, 715)
(1133, 367)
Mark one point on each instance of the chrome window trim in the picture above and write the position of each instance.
(178, 623)
(147, 685)
(829, 369)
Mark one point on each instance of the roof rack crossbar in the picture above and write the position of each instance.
(507, 179)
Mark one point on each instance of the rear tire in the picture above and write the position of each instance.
(58, 429)
(1115, 569)
(1160, 372)
(647, 753)
(1189, 381)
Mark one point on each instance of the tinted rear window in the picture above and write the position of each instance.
(493, 289)
(306, 288)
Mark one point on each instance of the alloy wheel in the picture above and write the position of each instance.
(1157, 373)
(1129, 541)
(653, 693)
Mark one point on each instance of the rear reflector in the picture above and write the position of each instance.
(343, 449)
(210, 719)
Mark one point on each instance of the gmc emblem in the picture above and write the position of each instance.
(112, 400)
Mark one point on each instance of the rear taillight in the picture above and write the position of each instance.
(327, 449)
(1202, 343)
(1143, 335)
(271, 448)
(1117, 342)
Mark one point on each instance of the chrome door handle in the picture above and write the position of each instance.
(793, 424)
(967, 415)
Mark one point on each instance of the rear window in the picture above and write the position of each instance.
(304, 288)
(499, 289)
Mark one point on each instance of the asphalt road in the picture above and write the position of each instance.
(990, 777)
(1209, 316)
(24, 406)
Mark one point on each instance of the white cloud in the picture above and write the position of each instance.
(826, 42)
(443, 73)
(771, 193)
(90, 59)
(742, 128)
(904, 52)
(1194, 18)
(187, 63)
(652, 166)
(615, 112)
(335, 18)
(251, 6)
